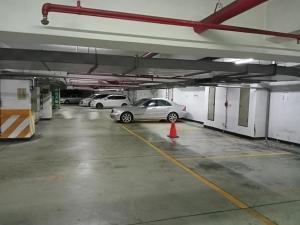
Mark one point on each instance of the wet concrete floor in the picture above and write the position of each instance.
(83, 168)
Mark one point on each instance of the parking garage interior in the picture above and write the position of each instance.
(219, 145)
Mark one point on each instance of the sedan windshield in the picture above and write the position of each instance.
(140, 102)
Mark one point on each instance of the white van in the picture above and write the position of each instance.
(110, 101)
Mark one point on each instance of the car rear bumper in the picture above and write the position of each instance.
(182, 115)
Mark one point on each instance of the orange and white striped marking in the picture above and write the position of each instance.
(16, 123)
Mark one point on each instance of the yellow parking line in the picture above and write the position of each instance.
(236, 156)
(231, 198)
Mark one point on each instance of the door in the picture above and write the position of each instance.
(217, 114)
(114, 101)
(110, 101)
(244, 107)
(162, 109)
(150, 112)
(211, 103)
(121, 100)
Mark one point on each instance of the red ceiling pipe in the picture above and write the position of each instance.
(228, 12)
(153, 19)
(48, 7)
(250, 31)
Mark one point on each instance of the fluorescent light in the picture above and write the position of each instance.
(243, 61)
(231, 60)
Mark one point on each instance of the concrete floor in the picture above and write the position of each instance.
(83, 168)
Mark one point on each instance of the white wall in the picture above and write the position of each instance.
(192, 97)
(261, 112)
(9, 97)
(161, 93)
(135, 95)
(284, 120)
(194, 100)
(144, 94)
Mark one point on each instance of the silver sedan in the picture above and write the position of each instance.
(149, 109)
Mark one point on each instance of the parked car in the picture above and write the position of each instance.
(73, 96)
(110, 101)
(87, 101)
(70, 100)
(149, 109)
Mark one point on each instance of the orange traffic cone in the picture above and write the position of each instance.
(173, 133)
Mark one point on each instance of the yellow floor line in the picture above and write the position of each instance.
(236, 156)
(231, 198)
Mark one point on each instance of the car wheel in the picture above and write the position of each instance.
(67, 102)
(126, 117)
(99, 106)
(124, 104)
(172, 117)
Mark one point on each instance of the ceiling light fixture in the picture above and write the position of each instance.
(230, 60)
(243, 61)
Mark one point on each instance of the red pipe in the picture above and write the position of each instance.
(228, 12)
(250, 30)
(154, 19)
(48, 7)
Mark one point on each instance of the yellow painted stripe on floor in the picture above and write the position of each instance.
(231, 198)
(236, 156)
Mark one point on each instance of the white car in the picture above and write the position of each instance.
(87, 101)
(70, 100)
(110, 101)
(149, 109)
